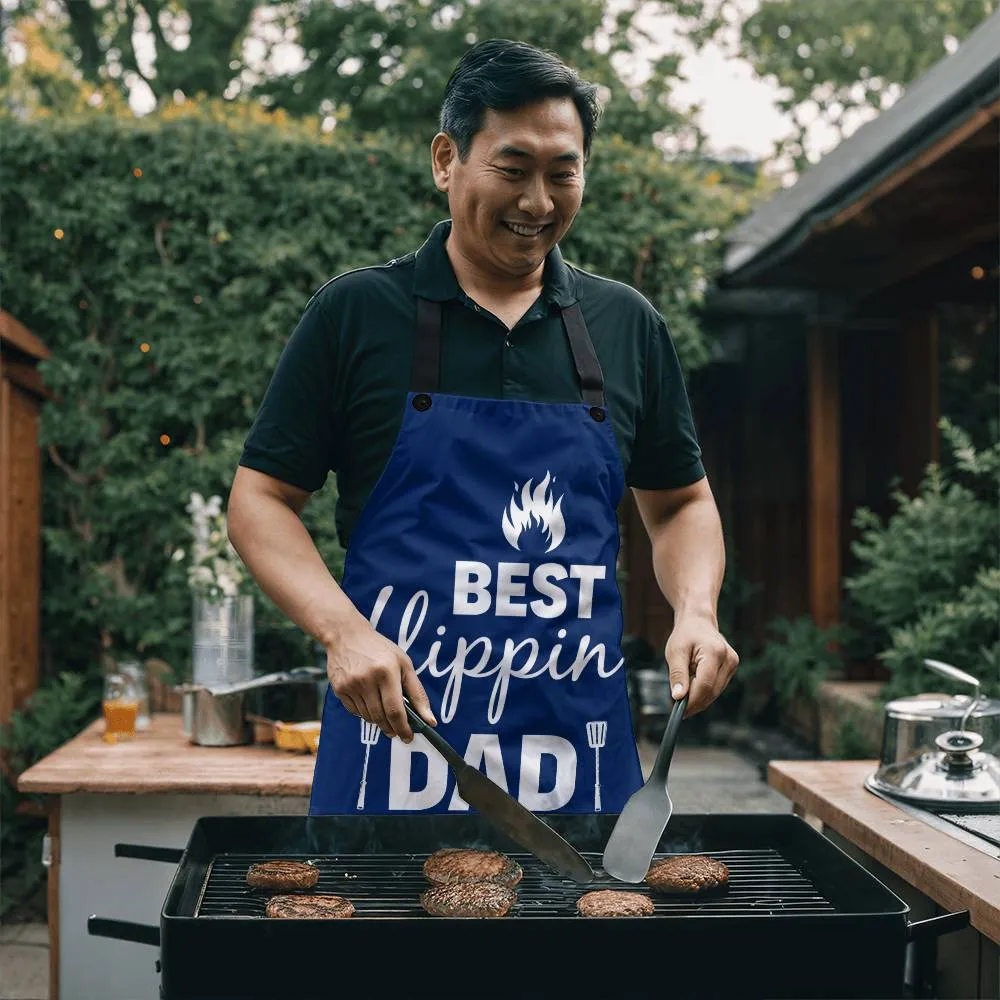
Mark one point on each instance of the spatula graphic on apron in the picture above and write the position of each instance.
(637, 833)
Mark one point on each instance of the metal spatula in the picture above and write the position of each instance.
(503, 810)
(637, 833)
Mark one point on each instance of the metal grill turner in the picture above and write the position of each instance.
(637, 833)
(504, 811)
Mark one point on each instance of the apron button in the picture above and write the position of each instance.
(422, 402)
(598, 414)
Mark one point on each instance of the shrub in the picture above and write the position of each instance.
(929, 575)
(932, 544)
(963, 632)
(799, 657)
(55, 713)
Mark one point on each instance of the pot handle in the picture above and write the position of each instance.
(952, 673)
(297, 675)
(123, 930)
(934, 927)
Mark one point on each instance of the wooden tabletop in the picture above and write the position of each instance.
(162, 759)
(954, 875)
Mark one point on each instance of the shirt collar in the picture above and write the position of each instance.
(434, 278)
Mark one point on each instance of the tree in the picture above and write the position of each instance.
(371, 65)
(386, 66)
(840, 61)
(196, 46)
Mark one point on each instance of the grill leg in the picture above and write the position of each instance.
(920, 978)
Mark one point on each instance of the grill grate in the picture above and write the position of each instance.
(761, 882)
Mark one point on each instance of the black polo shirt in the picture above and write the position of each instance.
(336, 399)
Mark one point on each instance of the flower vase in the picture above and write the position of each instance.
(222, 648)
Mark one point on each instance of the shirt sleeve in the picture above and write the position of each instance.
(292, 437)
(666, 454)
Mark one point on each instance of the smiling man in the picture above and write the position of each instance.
(484, 405)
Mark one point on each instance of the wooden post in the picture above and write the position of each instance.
(919, 440)
(824, 476)
(21, 395)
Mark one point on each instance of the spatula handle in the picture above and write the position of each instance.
(443, 747)
(666, 752)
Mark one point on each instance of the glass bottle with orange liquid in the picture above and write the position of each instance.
(121, 708)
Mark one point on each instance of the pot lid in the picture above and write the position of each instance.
(958, 774)
(942, 706)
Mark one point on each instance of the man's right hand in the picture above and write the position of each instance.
(370, 674)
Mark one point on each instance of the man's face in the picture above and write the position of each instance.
(520, 188)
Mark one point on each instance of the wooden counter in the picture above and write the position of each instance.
(162, 759)
(955, 876)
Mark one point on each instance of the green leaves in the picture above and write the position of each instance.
(55, 713)
(365, 65)
(962, 631)
(799, 657)
(929, 579)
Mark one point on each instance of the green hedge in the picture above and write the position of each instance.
(202, 233)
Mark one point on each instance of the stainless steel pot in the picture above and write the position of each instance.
(940, 751)
(216, 716)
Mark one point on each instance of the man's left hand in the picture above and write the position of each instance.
(699, 657)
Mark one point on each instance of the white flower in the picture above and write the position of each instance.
(215, 568)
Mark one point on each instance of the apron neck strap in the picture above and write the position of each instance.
(588, 368)
(427, 351)
(426, 374)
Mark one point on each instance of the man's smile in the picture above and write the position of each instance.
(520, 229)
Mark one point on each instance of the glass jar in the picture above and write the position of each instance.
(136, 675)
(222, 646)
(121, 708)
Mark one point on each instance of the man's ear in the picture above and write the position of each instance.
(443, 156)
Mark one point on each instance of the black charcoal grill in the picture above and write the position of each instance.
(799, 918)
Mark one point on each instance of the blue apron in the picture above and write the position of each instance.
(487, 552)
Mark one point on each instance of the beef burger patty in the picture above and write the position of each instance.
(687, 873)
(309, 907)
(452, 865)
(614, 903)
(468, 899)
(282, 875)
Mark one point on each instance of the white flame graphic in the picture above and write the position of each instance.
(537, 509)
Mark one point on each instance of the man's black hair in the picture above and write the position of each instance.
(502, 75)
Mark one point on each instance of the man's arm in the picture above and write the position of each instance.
(689, 561)
(366, 670)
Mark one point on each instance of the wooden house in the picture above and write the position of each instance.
(837, 298)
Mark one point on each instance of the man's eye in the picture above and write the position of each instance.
(512, 171)
(566, 176)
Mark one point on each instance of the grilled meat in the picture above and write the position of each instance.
(468, 899)
(282, 876)
(452, 865)
(309, 907)
(614, 903)
(687, 873)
